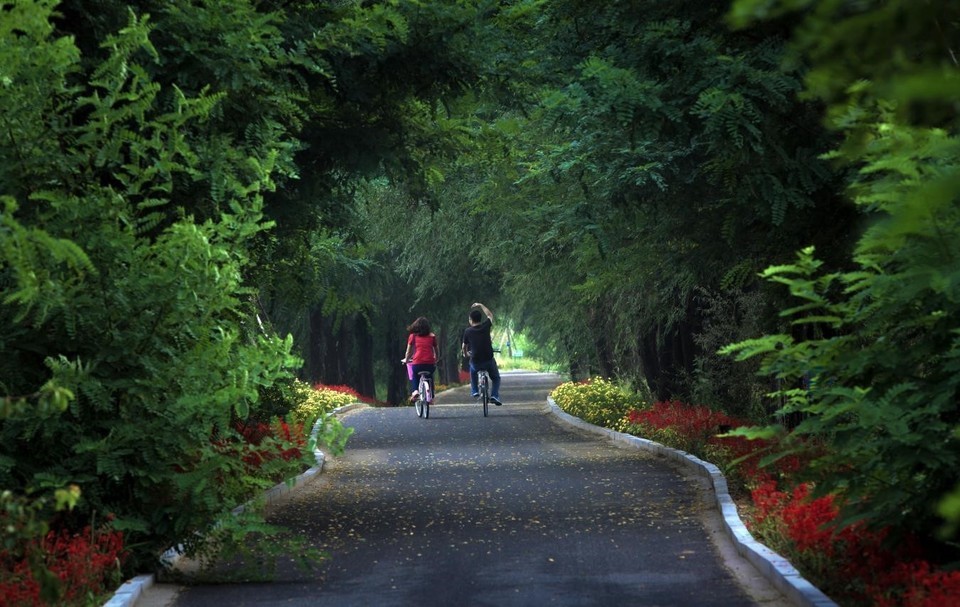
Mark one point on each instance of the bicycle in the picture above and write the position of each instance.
(424, 396)
(424, 393)
(483, 388)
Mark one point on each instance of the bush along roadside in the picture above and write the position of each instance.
(852, 562)
(271, 452)
(47, 558)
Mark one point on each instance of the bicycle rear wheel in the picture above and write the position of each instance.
(485, 392)
(423, 404)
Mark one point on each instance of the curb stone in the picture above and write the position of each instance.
(771, 565)
(130, 591)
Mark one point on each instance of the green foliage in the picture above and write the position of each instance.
(644, 154)
(253, 548)
(878, 342)
(330, 433)
(882, 382)
(33, 257)
(598, 401)
(127, 323)
(949, 509)
(36, 74)
(729, 316)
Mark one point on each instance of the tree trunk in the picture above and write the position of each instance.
(650, 359)
(366, 383)
(342, 346)
(397, 381)
(604, 356)
(313, 369)
(329, 373)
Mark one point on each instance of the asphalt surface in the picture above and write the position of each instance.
(514, 509)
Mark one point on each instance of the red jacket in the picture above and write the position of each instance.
(423, 346)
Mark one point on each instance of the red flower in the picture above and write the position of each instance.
(852, 562)
(917, 584)
(81, 561)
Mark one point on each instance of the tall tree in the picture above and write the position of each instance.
(643, 157)
(173, 175)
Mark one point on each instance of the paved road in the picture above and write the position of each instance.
(514, 509)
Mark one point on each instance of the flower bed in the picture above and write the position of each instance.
(272, 441)
(851, 563)
(598, 401)
(62, 568)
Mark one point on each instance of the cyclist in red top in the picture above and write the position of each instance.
(422, 344)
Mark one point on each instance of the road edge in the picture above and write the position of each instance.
(778, 570)
(130, 591)
(775, 568)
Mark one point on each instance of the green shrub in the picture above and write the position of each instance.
(278, 399)
(597, 401)
(313, 402)
(125, 318)
(871, 363)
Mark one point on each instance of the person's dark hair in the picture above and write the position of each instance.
(420, 326)
(476, 315)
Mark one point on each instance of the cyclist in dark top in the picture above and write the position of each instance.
(479, 347)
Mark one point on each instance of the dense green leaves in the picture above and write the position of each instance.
(659, 158)
(138, 314)
(882, 362)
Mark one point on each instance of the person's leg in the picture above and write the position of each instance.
(412, 376)
(495, 376)
(474, 389)
(415, 381)
(432, 369)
